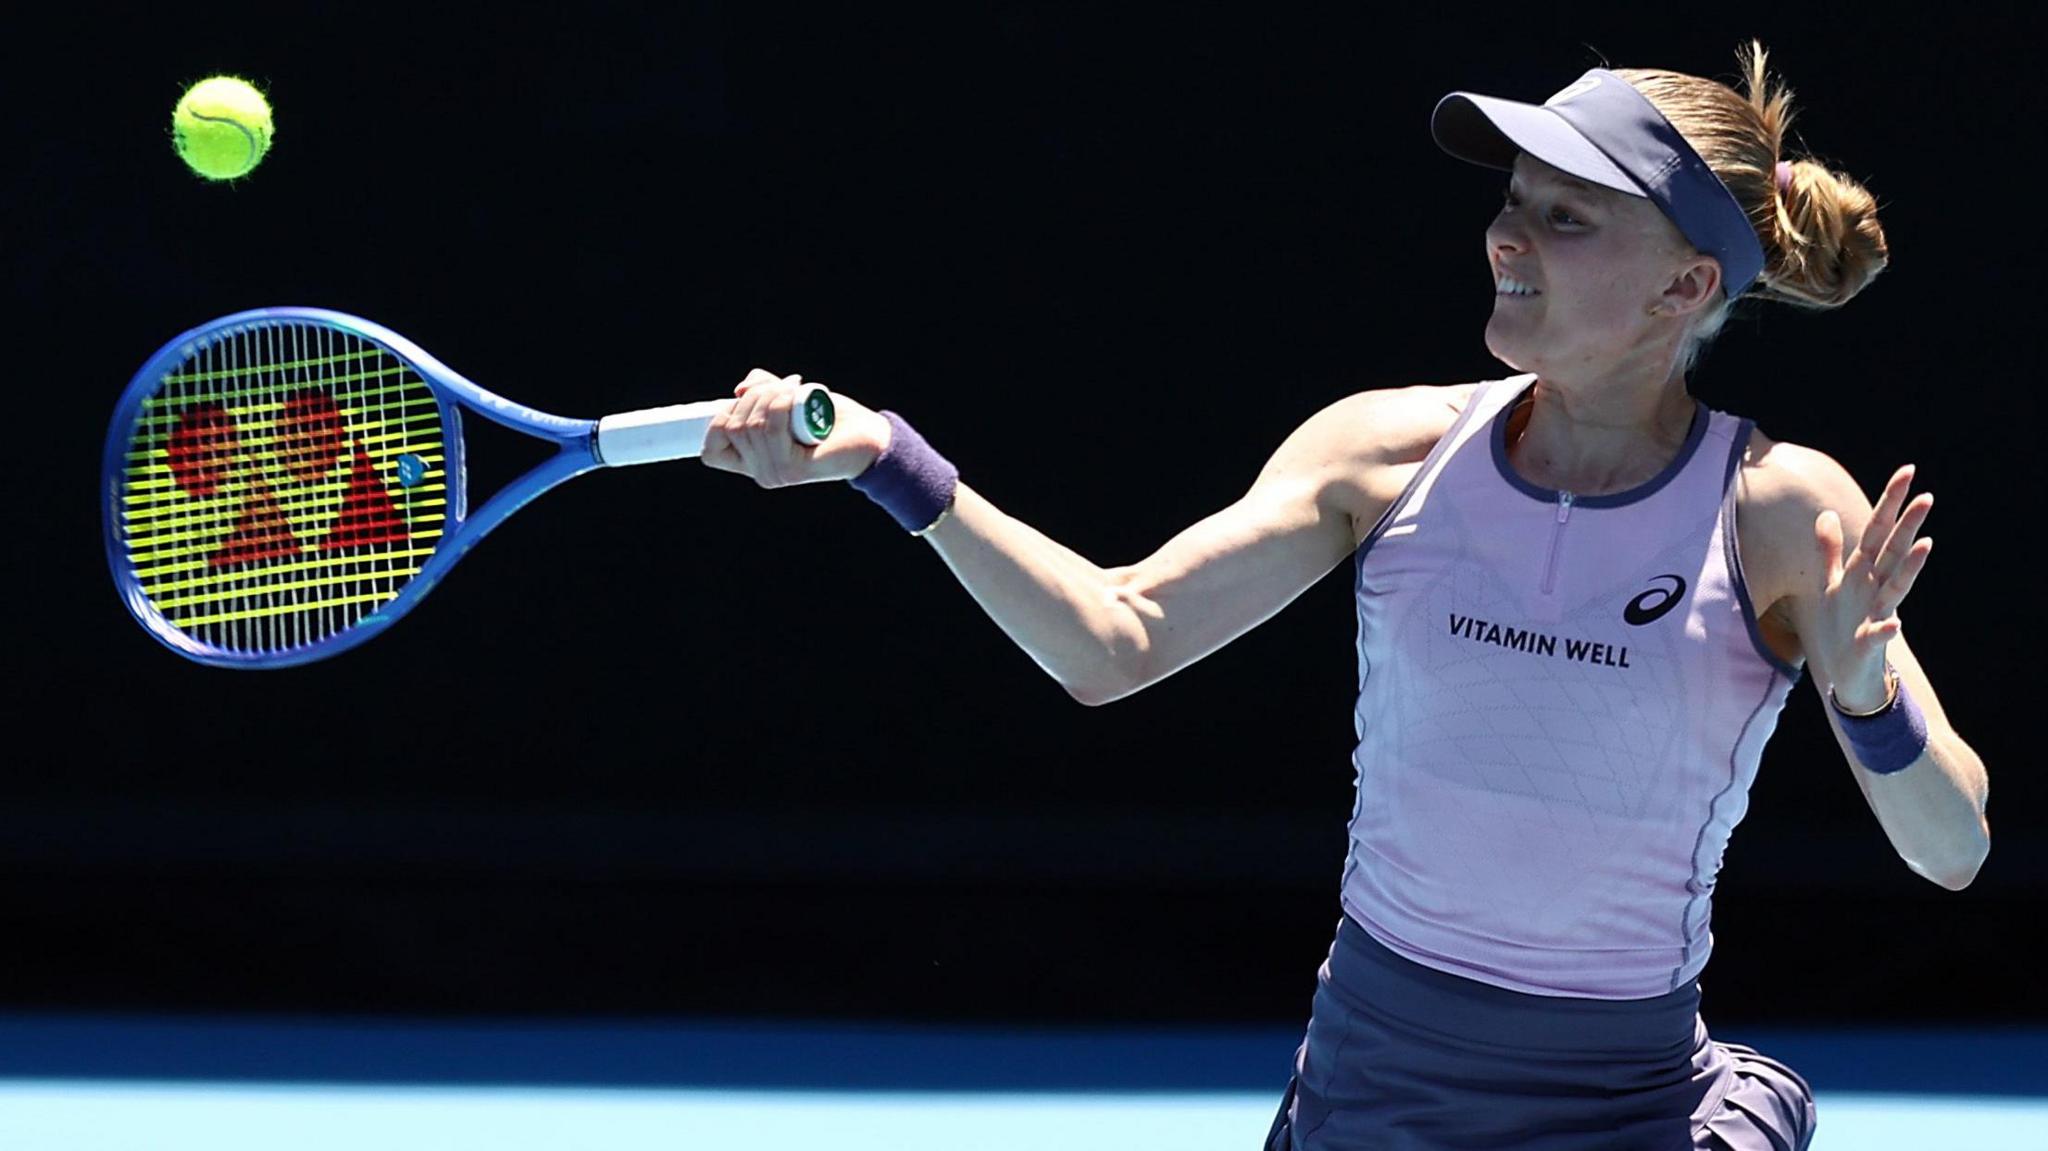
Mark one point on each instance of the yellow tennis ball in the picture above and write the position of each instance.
(222, 127)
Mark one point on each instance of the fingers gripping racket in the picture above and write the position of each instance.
(281, 484)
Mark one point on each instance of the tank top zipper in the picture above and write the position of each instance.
(1564, 512)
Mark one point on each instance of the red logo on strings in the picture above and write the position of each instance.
(310, 434)
(203, 447)
(261, 532)
(367, 515)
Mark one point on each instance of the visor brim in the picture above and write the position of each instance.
(1490, 132)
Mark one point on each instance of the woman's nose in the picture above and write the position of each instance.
(1502, 236)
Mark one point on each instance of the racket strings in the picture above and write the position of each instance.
(284, 482)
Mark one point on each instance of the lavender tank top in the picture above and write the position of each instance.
(1562, 702)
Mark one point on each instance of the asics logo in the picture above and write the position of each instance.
(1651, 606)
(1578, 87)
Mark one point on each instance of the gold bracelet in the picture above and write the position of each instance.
(1891, 695)
(943, 513)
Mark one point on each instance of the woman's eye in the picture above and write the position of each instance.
(1560, 215)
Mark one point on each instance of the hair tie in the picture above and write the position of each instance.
(1784, 175)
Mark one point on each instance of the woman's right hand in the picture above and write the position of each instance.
(752, 436)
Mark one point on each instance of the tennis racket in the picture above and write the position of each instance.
(281, 484)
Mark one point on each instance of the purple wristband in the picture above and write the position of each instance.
(911, 481)
(1890, 740)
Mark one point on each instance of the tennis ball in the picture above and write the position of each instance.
(222, 127)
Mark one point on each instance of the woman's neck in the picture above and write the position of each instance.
(1596, 440)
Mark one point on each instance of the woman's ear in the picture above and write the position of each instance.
(1696, 285)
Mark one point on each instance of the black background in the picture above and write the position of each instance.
(670, 743)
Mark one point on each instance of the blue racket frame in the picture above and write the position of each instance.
(576, 442)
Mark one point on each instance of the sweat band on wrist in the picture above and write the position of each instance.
(912, 482)
(1887, 740)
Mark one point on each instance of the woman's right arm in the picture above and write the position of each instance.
(1104, 633)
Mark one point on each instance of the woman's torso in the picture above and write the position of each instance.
(1563, 701)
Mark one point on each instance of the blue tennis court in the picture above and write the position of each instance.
(111, 1083)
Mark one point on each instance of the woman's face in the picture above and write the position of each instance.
(1597, 260)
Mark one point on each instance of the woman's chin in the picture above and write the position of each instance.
(1504, 347)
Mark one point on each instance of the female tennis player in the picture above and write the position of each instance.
(1583, 598)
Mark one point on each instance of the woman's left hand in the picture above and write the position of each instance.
(1860, 596)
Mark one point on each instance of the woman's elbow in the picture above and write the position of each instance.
(1119, 660)
(1095, 693)
(1957, 871)
(1088, 697)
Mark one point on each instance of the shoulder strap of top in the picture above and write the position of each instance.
(1731, 551)
(1484, 404)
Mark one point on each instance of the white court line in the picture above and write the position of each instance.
(82, 1115)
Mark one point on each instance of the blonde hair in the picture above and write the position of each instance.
(1821, 239)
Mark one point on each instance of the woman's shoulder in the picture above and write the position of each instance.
(1357, 452)
(1393, 425)
(1781, 476)
(1782, 487)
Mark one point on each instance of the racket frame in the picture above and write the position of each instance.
(576, 453)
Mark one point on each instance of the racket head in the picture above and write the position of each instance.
(278, 482)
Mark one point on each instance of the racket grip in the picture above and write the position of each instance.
(677, 432)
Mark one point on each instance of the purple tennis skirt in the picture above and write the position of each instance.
(1402, 1057)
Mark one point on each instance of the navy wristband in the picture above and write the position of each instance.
(912, 482)
(1888, 740)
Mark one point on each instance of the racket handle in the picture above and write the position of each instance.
(677, 432)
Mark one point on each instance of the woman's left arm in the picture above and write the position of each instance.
(1933, 809)
(1850, 566)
